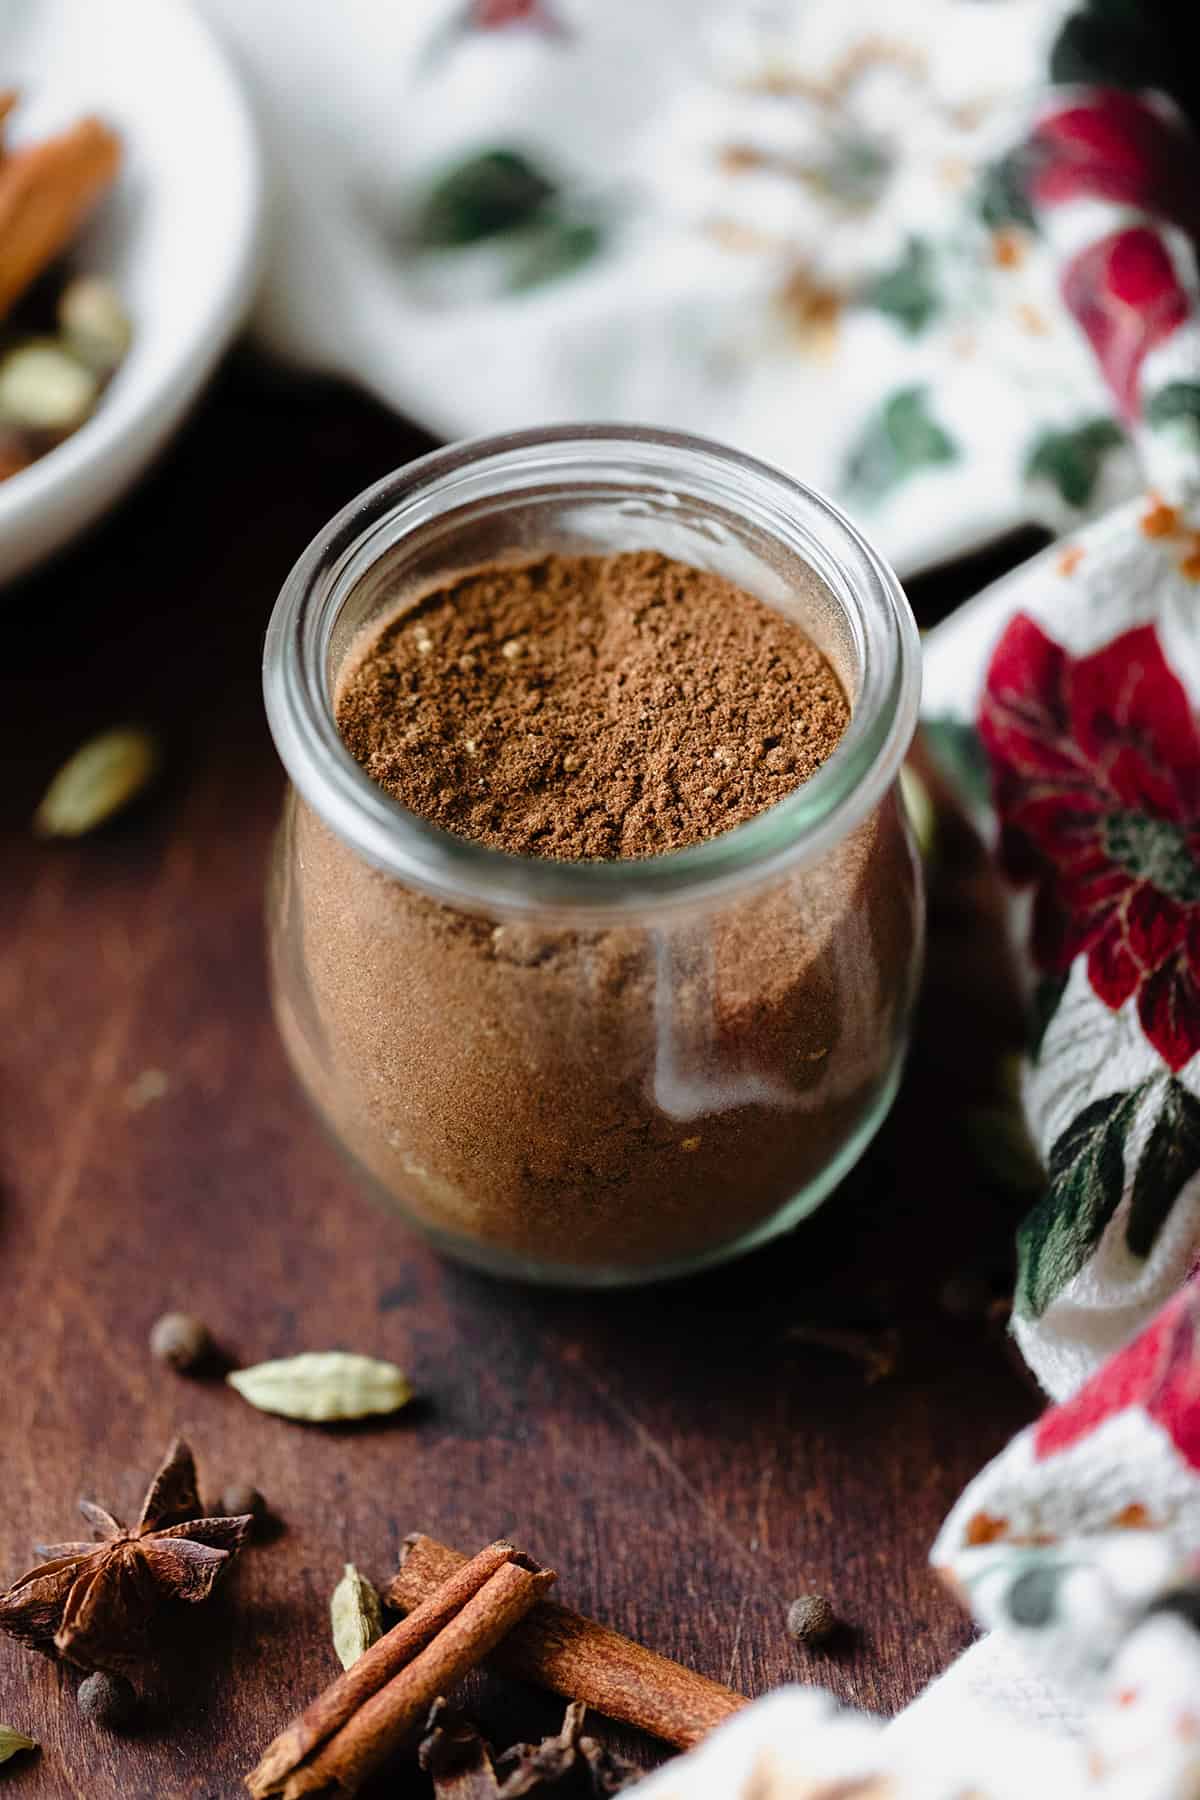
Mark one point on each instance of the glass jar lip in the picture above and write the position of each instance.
(798, 830)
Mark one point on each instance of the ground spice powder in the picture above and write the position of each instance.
(591, 706)
(629, 1099)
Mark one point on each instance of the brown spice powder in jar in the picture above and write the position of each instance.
(591, 706)
(630, 1098)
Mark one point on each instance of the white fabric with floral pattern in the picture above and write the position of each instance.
(790, 226)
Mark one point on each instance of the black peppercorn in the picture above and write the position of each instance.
(107, 1700)
(811, 1619)
(181, 1340)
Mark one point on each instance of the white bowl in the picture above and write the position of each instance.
(178, 234)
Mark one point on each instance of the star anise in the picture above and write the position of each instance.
(95, 1604)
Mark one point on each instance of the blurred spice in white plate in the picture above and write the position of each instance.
(62, 334)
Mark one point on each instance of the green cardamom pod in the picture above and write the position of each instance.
(323, 1386)
(98, 781)
(11, 1741)
(94, 322)
(355, 1615)
(44, 388)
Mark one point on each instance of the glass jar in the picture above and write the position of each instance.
(596, 1073)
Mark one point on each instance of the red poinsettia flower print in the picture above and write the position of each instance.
(1126, 295)
(1096, 774)
(497, 15)
(1159, 1371)
(1131, 149)
(1128, 150)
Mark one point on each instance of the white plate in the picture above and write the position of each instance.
(178, 234)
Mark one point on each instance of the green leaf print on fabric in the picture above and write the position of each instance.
(908, 293)
(1002, 199)
(1170, 1159)
(494, 192)
(1072, 460)
(1033, 1600)
(854, 171)
(958, 751)
(1177, 405)
(1087, 1178)
(559, 248)
(902, 438)
(500, 197)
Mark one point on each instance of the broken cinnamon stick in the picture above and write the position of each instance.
(46, 192)
(353, 1754)
(374, 1669)
(576, 1657)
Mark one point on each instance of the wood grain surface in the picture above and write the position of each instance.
(685, 1464)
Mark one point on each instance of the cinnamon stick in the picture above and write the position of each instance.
(582, 1660)
(353, 1754)
(374, 1669)
(46, 192)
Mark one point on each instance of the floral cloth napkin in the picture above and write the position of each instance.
(791, 225)
(1072, 689)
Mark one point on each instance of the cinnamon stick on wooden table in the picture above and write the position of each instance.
(580, 1659)
(366, 1714)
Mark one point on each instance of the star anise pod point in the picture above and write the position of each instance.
(95, 1603)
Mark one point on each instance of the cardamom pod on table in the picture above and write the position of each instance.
(102, 777)
(323, 1386)
(355, 1615)
(12, 1741)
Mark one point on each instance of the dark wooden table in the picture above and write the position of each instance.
(685, 1464)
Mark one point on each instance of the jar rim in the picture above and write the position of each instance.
(797, 830)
